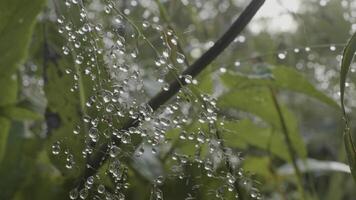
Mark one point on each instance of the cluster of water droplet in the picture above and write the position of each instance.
(121, 69)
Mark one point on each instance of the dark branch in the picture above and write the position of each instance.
(162, 97)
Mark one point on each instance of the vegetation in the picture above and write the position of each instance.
(159, 99)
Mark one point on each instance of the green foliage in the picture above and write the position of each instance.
(17, 20)
(29, 170)
(348, 55)
(245, 132)
(258, 101)
(280, 77)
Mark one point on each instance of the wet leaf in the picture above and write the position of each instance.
(258, 101)
(245, 132)
(348, 55)
(280, 77)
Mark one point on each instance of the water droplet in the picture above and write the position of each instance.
(114, 151)
(180, 58)
(109, 108)
(188, 79)
(83, 193)
(222, 69)
(237, 63)
(107, 9)
(94, 134)
(65, 50)
(79, 60)
(282, 56)
(56, 148)
(73, 194)
(101, 189)
(165, 87)
(332, 48)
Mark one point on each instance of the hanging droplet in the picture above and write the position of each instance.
(56, 148)
(83, 193)
(165, 87)
(114, 151)
(222, 69)
(237, 63)
(94, 134)
(332, 48)
(180, 58)
(188, 79)
(101, 189)
(79, 60)
(65, 50)
(73, 194)
(282, 56)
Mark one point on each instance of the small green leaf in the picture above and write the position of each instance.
(4, 132)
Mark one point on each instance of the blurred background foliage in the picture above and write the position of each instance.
(277, 80)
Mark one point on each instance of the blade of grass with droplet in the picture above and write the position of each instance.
(347, 58)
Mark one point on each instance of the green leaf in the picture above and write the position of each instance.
(8, 89)
(4, 132)
(281, 77)
(18, 161)
(18, 113)
(258, 165)
(348, 55)
(258, 101)
(17, 19)
(350, 151)
(245, 132)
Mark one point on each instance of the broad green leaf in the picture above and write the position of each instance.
(245, 132)
(17, 20)
(62, 115)
(4, 132)
(18, 113)
(18, 161)
(65, 108)
(8, 89)
(281, 77)
(348, 55)
(258, 101)
(258, 165)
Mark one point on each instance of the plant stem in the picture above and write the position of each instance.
(291, 150)
(162, 97)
